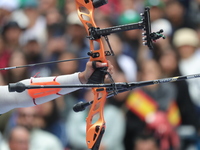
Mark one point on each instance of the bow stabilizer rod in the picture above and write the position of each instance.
(123, 87)
(120, 86)
(20, 87)
(144, 24)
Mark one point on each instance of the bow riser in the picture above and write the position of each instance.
(94, 129)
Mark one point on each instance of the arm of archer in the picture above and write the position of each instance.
(11, 100)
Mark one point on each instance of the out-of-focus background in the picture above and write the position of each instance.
(158, 117)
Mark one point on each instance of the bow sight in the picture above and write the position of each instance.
(144, 24)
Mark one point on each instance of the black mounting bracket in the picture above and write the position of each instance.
(144, 24)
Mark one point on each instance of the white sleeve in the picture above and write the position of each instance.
(11, 100)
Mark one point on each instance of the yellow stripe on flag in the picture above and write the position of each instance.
(174, 114)
(141, 104)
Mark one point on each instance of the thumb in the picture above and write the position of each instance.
(100, 65)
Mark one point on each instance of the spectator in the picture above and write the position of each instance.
(168, 61)
(11, 34)
(156, 10)
(17, 58)
(152, 101)
(131, 39)
(55, 47)
(76, 38)
(186, 42)
(40, 32)
(146, 142)
(34, 54)
(177, 18)
(36, 26)
(70, 6)
(29, 118)
(51, 120)
(55, 23)
(72, 66)
(46, 5)
(6, 9)
(76, 33)
(18, 139)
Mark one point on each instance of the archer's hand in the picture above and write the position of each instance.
(84, 76)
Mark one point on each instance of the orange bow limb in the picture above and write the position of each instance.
(86, 15)
(95, 129)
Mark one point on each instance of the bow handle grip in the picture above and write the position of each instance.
(98, 75)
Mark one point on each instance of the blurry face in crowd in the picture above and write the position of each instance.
(32, 47)
(56, 45)
(53, 16)
(156, 13)
(19, 139)
(27, 117)
(126, 4)
(17, 58)
(146, 145)
(76, 31)
(45, 5)
(174, 16)
(32, 50)
(45, 109)
(70, 6)
(168, 62)
(185, 51)
(67, 67)
(150, 70)
(4, 15)
(12, 34)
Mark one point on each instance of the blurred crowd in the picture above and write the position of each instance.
(157, 117)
